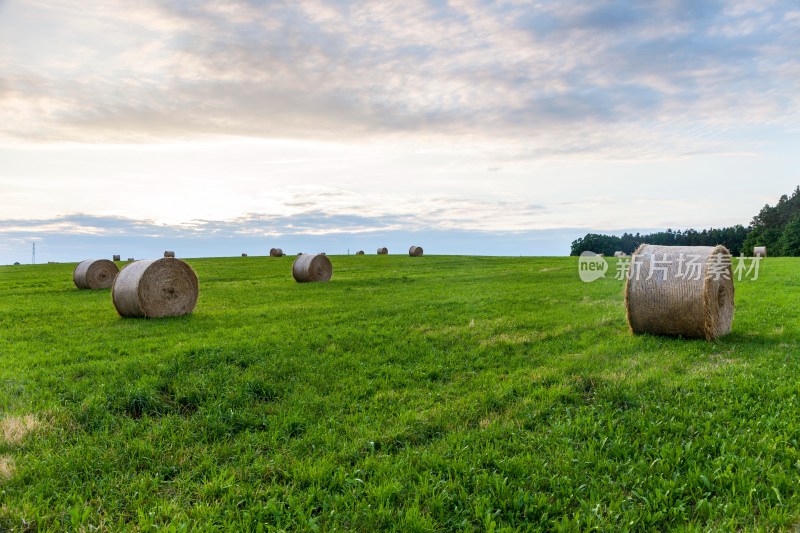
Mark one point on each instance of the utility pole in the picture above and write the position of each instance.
(34, 253)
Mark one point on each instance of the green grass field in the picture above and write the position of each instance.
(416, 394)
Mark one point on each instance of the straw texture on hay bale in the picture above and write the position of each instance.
(116, 258)
(689, 291)
(155, 288)
(415, 251)
(360, 252)
(169, 253)
(275, 252)
(312, 267)
(383, 251)
(95, 274)
(759, 251)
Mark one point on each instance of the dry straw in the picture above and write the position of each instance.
(759, 251)
(155, 288)
(415, 251)
(680, 290)
(116, 258)
(312, 267)
(95, 274)
(7, 468)
(383, 251)
(14, 429)
(275, 252)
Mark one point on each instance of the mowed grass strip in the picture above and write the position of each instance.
(413, 394)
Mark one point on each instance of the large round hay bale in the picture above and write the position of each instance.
(116, 258)
(415, 251)
(169, 253)
(155, 288)
(312, 267)
(383, 251)
(360, 252)
(275, 252)
(680, 290)
(95, 274)
(759, 251)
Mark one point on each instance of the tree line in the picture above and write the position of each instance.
(776, 227)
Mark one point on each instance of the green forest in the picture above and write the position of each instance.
(776, 227)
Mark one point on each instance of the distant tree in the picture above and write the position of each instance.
(769, 227)
(594, 242)
(789, 242)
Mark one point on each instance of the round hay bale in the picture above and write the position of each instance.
(312, 267)
(116, 258)
(619, 254)
(275, 252)
(680, 290)
(360, 252)
(383, 251)
(415, 251)
(759, 251)
(169, 253)
(95, 274)
(155, 288)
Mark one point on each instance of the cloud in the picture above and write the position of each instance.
(248, 235)
(315, 216)
(554, 74)
(80, 236)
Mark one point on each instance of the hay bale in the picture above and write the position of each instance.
(759, 251)
(689, 293)
(95, 274)
(275, 252)
(360, 252)
(116, 258)
(383, 251)
(415, 251)
(244, 255)
(312, 267)
(155, 288)
(620, 254)
(169, 253)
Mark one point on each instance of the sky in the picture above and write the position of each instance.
(465, 127)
